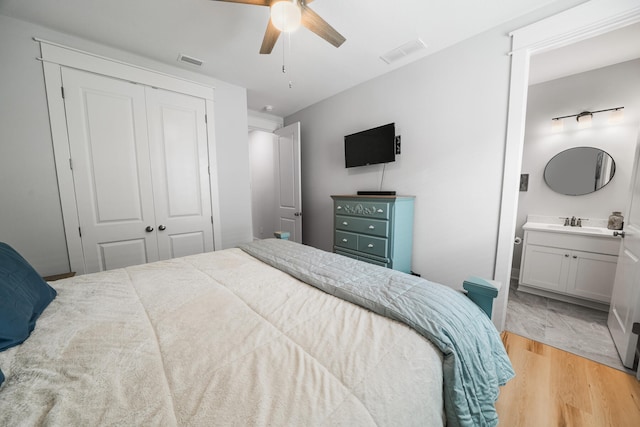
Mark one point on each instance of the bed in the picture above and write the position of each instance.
(272, 333)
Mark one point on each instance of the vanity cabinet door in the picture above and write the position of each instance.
(592, 275)
(546, 267)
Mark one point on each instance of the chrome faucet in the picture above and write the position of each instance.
(573, 221)
(566, 220)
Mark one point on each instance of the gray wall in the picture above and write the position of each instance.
(451, 111)
(30, 212)
(613, 86)
(262, 152)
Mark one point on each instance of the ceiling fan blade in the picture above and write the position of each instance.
(270, 38)
(256, 2)
(315, 23)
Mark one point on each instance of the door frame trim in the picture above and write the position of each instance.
(587, 20)
(54, 57)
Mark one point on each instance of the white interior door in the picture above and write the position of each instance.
(287, 181)
(180, 170)
(108, 141)
(625, 301)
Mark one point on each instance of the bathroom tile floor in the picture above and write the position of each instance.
(573, 328)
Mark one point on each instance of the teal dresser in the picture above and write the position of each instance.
(375, 229)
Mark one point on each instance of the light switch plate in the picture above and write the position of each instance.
(524, 182)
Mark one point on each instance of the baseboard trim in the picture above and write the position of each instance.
(566, 298)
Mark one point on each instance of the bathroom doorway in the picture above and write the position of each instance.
(562, 79)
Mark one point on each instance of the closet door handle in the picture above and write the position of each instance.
(149, 229)
(162, 227)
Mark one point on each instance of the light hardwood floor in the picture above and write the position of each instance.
(556, 388)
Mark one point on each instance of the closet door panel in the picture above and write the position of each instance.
(120, 254)
(108, 141)
(186, 244)
(179, 161)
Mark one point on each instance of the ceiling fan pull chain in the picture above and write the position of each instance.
(289, 42)
(284, 42)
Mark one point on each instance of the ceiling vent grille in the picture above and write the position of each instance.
(403, 51)
(190, 60)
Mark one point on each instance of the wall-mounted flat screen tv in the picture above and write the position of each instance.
(371, 146)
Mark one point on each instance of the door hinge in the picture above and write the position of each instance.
(209, 170)
(205, 119)
(211, 219)
(62, 90)
(70, 164)
(80, 231)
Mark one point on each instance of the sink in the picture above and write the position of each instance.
(539, 226)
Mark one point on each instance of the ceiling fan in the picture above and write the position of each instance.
(287, 15)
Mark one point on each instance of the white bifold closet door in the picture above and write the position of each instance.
(140, 170)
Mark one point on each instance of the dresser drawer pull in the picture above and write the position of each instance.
(345, 223)
(345, 240)
(339, 208)
(371, 227)
(380, 211)
(370, 245)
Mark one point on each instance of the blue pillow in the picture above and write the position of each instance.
(23, 297)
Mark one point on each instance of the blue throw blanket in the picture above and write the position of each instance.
(475, 361)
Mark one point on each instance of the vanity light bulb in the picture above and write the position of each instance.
(557, 125)
(616, 117)
(584, 121)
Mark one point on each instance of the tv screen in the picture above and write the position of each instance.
(370, 147)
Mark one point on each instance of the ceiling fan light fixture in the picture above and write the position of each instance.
(286, 15)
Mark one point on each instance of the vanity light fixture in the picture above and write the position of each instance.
(584, 118)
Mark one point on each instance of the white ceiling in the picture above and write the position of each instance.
(227, 37)
(597, 52)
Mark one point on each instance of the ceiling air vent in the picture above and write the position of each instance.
(403, 51)
(190, 60)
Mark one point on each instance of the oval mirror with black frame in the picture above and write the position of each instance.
(580, 170)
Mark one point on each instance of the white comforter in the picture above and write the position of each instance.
(217, 339)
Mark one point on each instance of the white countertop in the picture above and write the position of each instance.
(559, 228)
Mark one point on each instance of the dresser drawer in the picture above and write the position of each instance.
(375, 227)
(347, 254)
(361, 258)
(378, 210)
(373, 261)
(373, 245)
(346, 240)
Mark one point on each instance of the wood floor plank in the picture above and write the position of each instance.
(556, 388)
